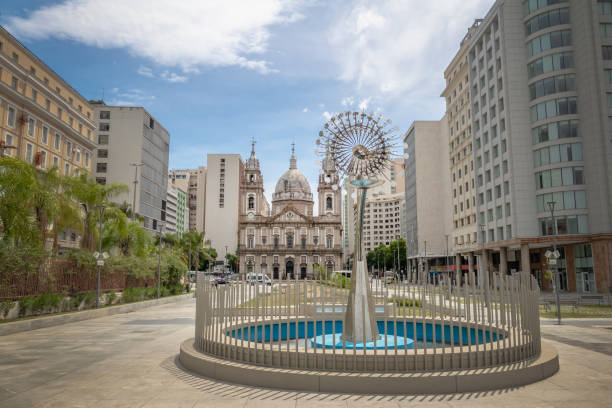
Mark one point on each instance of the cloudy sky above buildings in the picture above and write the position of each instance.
(217, 73)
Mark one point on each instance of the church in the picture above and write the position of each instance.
(286, 240)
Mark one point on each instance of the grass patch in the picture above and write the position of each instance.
(583, 311)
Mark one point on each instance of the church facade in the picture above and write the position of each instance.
(286, 240)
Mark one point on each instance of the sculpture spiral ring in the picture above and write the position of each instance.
(359, 144)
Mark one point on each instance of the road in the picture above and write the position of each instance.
(130, 360)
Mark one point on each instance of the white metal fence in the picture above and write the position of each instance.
(453, 327)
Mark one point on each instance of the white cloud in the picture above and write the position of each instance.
(347, 101)
(188, 34)
(145, 71)
(305, 110)
(363, 105)
(173, 77)
(400, 48)
(131, 97)
(327, 115)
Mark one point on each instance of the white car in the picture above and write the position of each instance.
(254, 278)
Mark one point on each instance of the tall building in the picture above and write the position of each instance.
(290, 241)
(382, 219)
(193, 182)
(43, 117)
(427, 190)
(133, 149)
(182, 212)
(224, 174)
(392, 183)
(43, 120)
(461, 160)
(541, 101)
(171, 209)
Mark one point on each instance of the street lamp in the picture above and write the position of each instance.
(161, 227)
(136, 166)
(100, 256)
(552, 259)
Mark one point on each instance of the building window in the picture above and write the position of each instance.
(68, 148)
(67, 169)
(549, 41)
(44, 138)
(315, 240)
(555, 107)
(604, 6)
(102, 153)
(104, 127)
(87, 159)
(303, 242)
(250, 242)
(251, 203)
(32, 126)
(43, 159)
(330, 242)
(275, 242)
(57, 142)
(552, 85)
(34, 94)
(547, 19)
(101, 167)
(29, 155)
(328, 203)
(566, 176)
(55, 161)
(102, 139)
(289, 241)
(10, 117)
(104, 114)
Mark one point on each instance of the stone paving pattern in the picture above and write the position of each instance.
(130, 360)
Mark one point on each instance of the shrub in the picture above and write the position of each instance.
(46, 301)
(5, 307)
(111, 297)
(81, 257)
(133, 295)
(25, 304)
(175, 289)
(406, 302)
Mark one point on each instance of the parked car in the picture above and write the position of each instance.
(216, 280)
(254, 278)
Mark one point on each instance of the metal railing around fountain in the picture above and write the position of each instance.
(446, 327)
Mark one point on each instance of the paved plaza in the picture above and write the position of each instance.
(130, 360)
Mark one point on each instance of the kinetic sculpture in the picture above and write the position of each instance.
(361, 147)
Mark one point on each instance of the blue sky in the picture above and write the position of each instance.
(218, 73)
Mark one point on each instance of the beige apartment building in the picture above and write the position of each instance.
(461, 160)
(382, 220)
(193, 182)
(43, 117)
(43, 120)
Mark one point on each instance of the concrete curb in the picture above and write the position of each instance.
(431, 382)
(50, 321)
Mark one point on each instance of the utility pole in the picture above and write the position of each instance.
(136, 166)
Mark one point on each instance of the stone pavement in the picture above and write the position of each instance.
(129, 360)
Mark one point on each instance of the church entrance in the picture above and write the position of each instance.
(275, 272)
(303, 272)
(289, 270)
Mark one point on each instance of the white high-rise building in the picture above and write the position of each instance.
(224, 174)
(129, 136)
(193, 182)
(540, 78)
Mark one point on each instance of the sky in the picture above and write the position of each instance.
(219, 73)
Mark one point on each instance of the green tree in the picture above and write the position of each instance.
(207, 258)
(91, 195)
(232, 261)
(398, 249)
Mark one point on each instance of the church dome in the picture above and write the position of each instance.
(292, 185)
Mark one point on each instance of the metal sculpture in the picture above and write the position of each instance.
(360, 146)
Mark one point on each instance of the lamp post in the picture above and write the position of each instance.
(552, 259)
(99, 255)
(226, 260)
(447, 262)
(136, 166)
(161, 227)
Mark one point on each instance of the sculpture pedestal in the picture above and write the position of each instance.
(359, 321)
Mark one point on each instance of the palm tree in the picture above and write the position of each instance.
(91, 195)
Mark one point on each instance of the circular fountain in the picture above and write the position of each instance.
(409, 337)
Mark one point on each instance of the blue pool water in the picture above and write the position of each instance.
(392, 342)
(410, 337)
